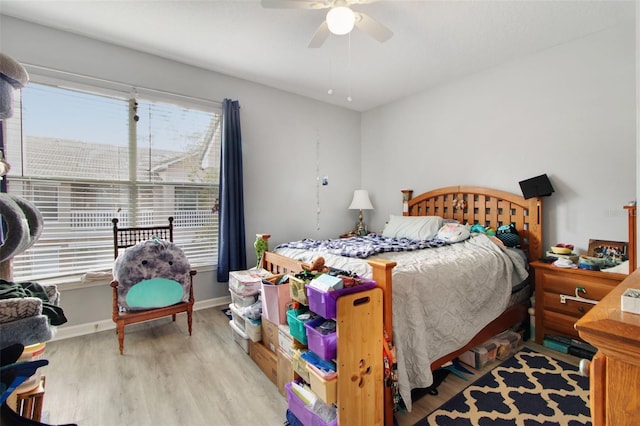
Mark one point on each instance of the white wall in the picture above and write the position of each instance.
(281, 135)
(568, 111)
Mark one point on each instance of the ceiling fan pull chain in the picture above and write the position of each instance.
(317, 180)
(349, 99)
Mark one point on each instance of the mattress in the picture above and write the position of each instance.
(442, 297)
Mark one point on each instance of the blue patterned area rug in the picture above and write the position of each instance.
(527, 389)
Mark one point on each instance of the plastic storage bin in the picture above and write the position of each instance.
(244, 283)
(296, 325)
(297, 290)
(242, 301)
(239, 336)
(324, 303)
(507, 343)
(323, 345)
(325, 388)
(275, 299)
(250, 327)
(479, 356)
(299, 364)
(302, 413)
(237, 318)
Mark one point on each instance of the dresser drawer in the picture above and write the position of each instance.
(573, 308)
(595, 288)
(558, 323)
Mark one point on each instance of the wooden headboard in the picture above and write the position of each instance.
(488, 207)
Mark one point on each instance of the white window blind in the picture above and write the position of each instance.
(84, 158)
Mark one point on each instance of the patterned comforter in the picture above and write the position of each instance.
(363, 247)
(442, 297)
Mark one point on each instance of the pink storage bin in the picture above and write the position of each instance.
(275, 299)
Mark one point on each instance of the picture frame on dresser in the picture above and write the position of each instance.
(604, 248)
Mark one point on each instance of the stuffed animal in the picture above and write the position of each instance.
(21, 225)
(453, 232)
(152, 274)
(316, 266)
(13, 76)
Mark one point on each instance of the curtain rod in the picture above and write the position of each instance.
(129, 87)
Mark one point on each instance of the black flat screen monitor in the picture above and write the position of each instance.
(538, 186)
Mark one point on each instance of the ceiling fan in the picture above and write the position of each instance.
(340, 18)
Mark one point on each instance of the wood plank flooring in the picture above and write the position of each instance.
(167, 378)
(164, 377)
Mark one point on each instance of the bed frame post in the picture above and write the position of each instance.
(632, 229)
(406, 196)
(535, 228)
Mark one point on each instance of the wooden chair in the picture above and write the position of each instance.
(127, 237)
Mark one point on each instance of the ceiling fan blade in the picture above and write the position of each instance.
(322, 33)
(372, 27)
(295, 4)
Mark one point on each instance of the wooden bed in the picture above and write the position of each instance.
(467, 204)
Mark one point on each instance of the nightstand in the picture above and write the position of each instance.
(558, 294)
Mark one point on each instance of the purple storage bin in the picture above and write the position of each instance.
(302, 413)
(323, 345)
(324, 303)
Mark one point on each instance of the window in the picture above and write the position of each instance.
(84, 155)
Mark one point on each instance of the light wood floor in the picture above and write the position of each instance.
(167, 378)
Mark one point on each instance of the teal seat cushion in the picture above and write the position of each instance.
(154, 293)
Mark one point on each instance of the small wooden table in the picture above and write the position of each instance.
(29, 404)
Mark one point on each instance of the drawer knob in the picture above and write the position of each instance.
(584, 367)
(581, 309)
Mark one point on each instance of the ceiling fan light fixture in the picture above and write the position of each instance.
(340, 20)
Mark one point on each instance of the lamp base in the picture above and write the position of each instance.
(361, 229)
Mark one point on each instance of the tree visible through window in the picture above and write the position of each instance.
(84, 157)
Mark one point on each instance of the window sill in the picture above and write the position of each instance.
(75, 282)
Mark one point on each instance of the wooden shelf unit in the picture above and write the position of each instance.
(360, 368)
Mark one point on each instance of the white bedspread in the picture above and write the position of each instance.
(442, 297)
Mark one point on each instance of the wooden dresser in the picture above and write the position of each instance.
(615, 370)
(556, 313)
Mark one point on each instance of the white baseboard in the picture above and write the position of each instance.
(68, 332)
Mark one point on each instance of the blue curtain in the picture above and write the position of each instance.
(232, 254)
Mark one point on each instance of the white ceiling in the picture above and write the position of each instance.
(433, 42)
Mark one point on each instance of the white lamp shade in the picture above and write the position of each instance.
(361, 200)
(340, 20)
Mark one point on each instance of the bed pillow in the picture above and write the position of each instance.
(412, 227)
(453, 232)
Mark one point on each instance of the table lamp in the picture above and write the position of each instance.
(361, 202)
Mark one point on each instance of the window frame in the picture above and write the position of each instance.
(124, 92)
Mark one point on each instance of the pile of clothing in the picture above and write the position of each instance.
(27, 312)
